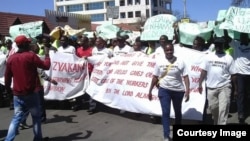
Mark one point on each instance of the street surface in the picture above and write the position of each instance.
(108, 124)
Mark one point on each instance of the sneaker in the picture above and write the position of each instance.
(46, 139)
(122, 111)
(24, 126)
(92, 111)
(44, 119)
(11, 106)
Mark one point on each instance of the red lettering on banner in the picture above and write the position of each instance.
(94, 79)
(137, 63)
(116, 91)
(137, 83)
(149, 74)
(195, 80)
(151, 64)
(57, 88)
(104, 81)
(123, 72)
(107, 64)
(97, 71)
(67, 67)
(195, 90)
(196, 68)
(112, 80)
(108, 90)
(109, 71)
(136, 73)
(145, 96)
(62, 80)
(124, 62)
(119, 81)
(116, 62)
(127, 93)
(98, 64)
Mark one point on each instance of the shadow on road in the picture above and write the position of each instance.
(58, 118)
(72, 137)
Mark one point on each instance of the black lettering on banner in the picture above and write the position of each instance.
(211, 132)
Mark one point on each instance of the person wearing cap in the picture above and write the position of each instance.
(21, 69)
(122, 47)
(218, 71)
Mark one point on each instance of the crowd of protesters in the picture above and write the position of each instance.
(225, 70)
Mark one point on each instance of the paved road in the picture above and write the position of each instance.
(107, 125)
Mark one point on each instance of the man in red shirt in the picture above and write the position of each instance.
(83, 50)
(22, 68)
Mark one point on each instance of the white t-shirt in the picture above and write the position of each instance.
(173, 79)
(126, 49)
(241, 57)
(104, 51)
(68, 49)
(219, 69)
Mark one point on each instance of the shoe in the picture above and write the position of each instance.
(241, 119)
(122, 111)
(155, 119)
(75, 108)
(24, 126)
(92, 111)
(44, 119)
(46, 139)
(11, 106)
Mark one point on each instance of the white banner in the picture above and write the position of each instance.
(123, 82)
(70, 72)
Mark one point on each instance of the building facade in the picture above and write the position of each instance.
(119, 11)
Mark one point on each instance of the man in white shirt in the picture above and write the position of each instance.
(217, 69)
(65, 47)
(241, 57)
(122, 47)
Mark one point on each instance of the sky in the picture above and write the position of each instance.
(198, 10)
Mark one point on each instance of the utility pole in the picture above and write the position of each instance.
(184, 9)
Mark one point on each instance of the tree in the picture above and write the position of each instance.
(241, 3)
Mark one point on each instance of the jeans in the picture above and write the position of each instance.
(23, 104)
(165, 97)
(243, 82)
(42, 108)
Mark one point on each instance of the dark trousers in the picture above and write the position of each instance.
(243, 82)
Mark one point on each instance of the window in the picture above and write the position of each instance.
(110, 3)
(129, 2)
(95, 6)
(147, 2)
(97, 17)
(122, 15)
(147, 13)
(122, 2)
(155, 3)
(155, 12)
(137, 2)
(130, 15)
(137, 13)
(73, 8)
(60, 9)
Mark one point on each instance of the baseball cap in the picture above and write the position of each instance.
(21, 39)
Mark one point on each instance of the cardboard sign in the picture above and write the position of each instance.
(158, 25)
